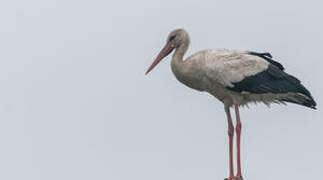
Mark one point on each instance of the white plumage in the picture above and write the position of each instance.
(227, 66)
(216, 69)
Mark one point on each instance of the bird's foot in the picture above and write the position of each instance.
(234, 178)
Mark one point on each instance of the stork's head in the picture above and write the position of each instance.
(175, 39)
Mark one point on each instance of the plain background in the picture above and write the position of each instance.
(75, 103)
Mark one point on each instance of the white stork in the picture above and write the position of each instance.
(235, 78)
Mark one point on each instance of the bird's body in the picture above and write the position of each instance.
(219, 72)
(235, 78)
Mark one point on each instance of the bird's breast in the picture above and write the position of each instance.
(191, 77)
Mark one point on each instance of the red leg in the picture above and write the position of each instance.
(238, 131)
(230, 133)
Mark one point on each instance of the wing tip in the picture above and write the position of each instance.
(303, 101)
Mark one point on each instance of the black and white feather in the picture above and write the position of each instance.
(268, 57)
(275, 81)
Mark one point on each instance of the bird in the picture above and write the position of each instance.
(236, 78)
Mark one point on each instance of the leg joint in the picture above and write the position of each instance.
(238, 127)
(231, 131)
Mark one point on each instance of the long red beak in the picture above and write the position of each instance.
(163, 53)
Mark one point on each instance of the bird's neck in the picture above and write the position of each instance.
(177, 59)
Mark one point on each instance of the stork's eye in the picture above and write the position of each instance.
(172, 37)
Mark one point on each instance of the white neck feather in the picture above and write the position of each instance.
(177, 64)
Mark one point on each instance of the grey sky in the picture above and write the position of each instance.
(75, 104)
